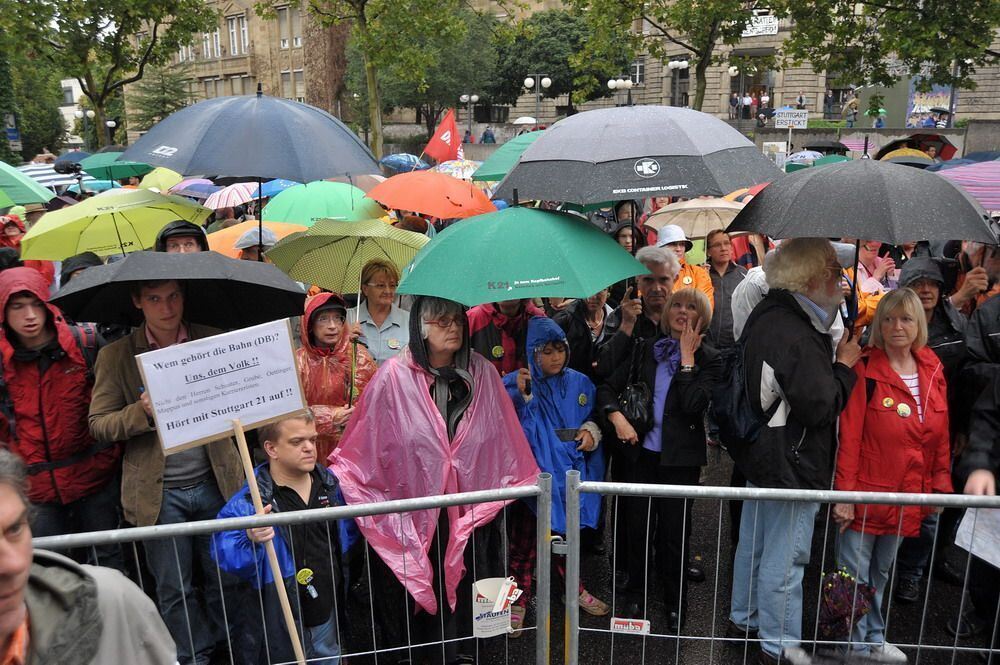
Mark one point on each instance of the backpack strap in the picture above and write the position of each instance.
(7, 406)
(89, 342)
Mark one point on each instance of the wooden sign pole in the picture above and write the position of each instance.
(272, 556)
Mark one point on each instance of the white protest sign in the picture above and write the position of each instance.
(979, 533)
(791, 119)
(491, 602)
(199, 387)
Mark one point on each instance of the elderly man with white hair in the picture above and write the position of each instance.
(792, 379)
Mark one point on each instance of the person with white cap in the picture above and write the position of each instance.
(254, 241)
(671, 237)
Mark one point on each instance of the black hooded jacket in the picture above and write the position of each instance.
(453, 386)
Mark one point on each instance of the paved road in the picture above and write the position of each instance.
(702, 642)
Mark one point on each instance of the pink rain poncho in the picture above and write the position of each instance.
(396, 447)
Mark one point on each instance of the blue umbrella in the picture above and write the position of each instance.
(72, 156)
(253, 137)
(273, 188)
(94, 186)
(197, 190)
(404, 161)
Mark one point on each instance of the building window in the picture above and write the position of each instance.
(638, 71)
(296, 20)
(206, 45)
(680, 83)
(220, 88)
(237, 26)
(300, 85)
(244, 33)
(286, 85)
(68, 99)
(217, 43)
(284, 30)
(140, 37)
(182, 54)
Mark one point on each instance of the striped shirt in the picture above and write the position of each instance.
(913, 383)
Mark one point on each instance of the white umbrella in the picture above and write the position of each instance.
(525, 120)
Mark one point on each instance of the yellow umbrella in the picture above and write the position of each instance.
(161, 179)
(222, 241)
(107, 225)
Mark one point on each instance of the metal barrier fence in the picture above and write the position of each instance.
(714, 645)
(540, 492)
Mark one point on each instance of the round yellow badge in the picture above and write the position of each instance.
(392, 343)
(304, 576)
(497, 351)
(582, 399)
(687, 279)
(903, 410)
(887, 402)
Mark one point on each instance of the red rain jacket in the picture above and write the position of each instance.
(50, 409)
(499, 338)
(885, 448)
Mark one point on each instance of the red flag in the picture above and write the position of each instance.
(446, 143)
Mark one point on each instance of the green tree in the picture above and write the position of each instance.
(105, 44)
(38, 88)
(462, 66)
(161, 92)
(699, 27)
(546, 43)
(879, 42)
(387, 33)
(8, 105)
(95, 135)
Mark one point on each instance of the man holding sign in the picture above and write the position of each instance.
(186, 486)
(309, 554)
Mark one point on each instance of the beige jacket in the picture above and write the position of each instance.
(117, 415)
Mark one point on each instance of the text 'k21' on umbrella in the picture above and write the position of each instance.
(635, 152)
(218, 291)
(518, 253)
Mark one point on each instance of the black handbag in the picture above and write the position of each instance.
(636, 400)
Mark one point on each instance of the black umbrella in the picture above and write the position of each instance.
(827, 146)
(250, 137)
(221, 292)
(865, 199)
(636, 152)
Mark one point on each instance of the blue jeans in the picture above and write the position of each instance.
(868, 557)
(321, 643)
(914, 553)
(194, 616)
(774, 548)
(96, 512)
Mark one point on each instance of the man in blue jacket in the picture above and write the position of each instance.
(309, 554)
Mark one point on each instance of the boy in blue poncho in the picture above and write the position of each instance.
(309, 554)
(555, 405)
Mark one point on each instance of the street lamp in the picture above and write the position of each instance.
(537, 82)
(622, 83)
(110, 125)
(81, 115)
(676, 66)
(470, 100)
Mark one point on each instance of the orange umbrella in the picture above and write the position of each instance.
(223, 241)
(362, 182)
(744, 195)
(431, 193)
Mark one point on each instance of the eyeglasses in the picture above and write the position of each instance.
(447, 322)
(324, 319)
(382, 287)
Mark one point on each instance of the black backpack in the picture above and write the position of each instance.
(739, 421)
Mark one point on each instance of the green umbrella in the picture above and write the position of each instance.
(830, 159)
(305, 204)
(6, 201)
(20, 188)
(105, 166)
(332, 253)
(505, 157)
(112, 223)
(518, 253)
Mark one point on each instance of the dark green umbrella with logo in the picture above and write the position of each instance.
(635, 152)
(518, 253)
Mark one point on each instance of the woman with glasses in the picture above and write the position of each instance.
(385, 327)
(430, 423)
(333, 371)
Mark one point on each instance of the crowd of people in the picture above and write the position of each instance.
(884, 380)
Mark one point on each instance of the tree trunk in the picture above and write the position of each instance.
(374, 108)
(699, 80)
(100, 129)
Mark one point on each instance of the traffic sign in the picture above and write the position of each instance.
(16, 146)
(793, 119)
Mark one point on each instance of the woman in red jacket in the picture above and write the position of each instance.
(893, 438)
